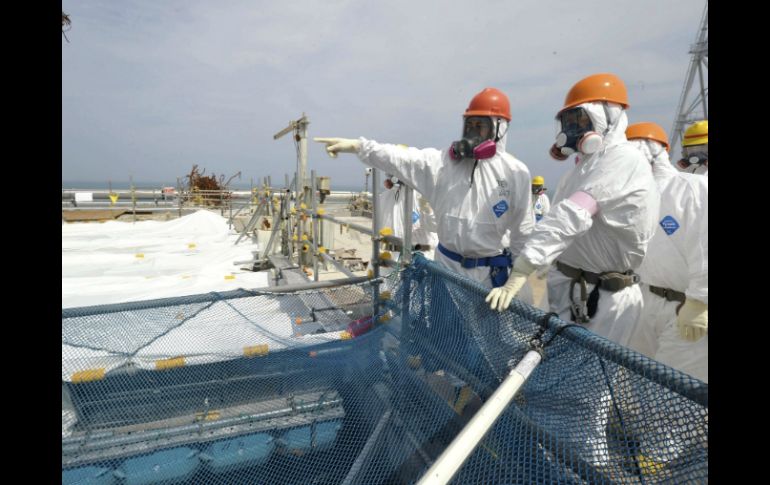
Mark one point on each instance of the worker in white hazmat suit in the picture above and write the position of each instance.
(695, 149)
(602, 218)
(673, 327)
(390, 213)
(540, 202)
(601, 221)
(479, 192)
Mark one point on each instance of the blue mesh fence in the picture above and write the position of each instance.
(303, 388)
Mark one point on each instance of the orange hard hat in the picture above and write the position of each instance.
(647, 131)
(490, 102)
(597, 87)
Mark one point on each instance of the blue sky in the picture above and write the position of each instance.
(151, 87)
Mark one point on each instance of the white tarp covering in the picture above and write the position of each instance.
(219, 333)
(117, 261)
(186, 256)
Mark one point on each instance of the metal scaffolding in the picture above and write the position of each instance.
(694, 108)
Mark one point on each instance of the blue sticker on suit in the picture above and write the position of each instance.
(669, 225)
(500, 208)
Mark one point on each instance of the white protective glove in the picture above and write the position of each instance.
(693, 320)
(499, 298)
(336, 145)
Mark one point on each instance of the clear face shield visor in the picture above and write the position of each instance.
(573, 123)
(478, 128)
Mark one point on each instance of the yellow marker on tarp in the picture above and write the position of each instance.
(321, 249)
(139, 255)
(386, 231)
(321, 211)
(88, 375)
(229, 277)
(169, 363)
(191, 245)
(255, 350)
(345, 335)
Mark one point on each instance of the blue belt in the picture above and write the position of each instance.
(501, 260)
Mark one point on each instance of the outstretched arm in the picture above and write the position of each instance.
(417, 168)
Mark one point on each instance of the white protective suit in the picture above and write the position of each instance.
(615, 184)
(541, 206)
(479, 210)
(602, 219)
(390, 213)
(677, 259)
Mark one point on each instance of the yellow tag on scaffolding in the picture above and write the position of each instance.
(649, 466)
(209, 416)
(386, 231)
(114, 198)
(321, 211)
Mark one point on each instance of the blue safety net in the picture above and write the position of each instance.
(308, 387)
